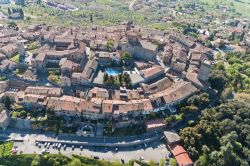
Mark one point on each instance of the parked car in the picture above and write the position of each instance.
(64, 146)
(53, 145)
(37, 143)
(81, 147)
(73, 147)
(48, 145)
(45, 151)
(59, 146)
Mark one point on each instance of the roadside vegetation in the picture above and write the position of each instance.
(3, 78)
(54, 160)
(127, 131)
(221, 136)
(5, 148)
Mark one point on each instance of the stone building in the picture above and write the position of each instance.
(204, 70)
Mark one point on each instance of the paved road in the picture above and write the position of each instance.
(14, 134)
(155, 150)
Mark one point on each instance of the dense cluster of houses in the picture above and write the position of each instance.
(100, 104)
(167, 68)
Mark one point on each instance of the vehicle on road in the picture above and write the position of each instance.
(59, 146)
(45, 151)
(48, 145)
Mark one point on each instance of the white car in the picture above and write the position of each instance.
(45, 151)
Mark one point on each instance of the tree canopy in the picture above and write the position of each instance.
(221, 136)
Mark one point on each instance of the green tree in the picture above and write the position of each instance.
(23, 114)
(75, 162)
(120, 77)
(172, 162)
(9, 11)
(110, 44)
(170, 119)
(152, 163)
(22, 67)
(37, 161)
(126, 57)
(220, 137)
(111, 80)
(188, 109)
(218, 80)
(105, 77)
(7, 102)
(131, 162)
(162, 162)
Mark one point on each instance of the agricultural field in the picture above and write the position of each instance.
(113, 12)
(240, 6)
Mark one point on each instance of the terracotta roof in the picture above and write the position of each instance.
(155, 123)
(151, 71)
(148, 45)
(89, 69)
(157, 86)
(180, 154)
(42, 90)
(179, 93)
(41, 57)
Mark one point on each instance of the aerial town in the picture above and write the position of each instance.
(124, 93)
(117, 73)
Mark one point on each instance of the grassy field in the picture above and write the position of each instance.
(112, 12)
(15, 58)
(242, 6)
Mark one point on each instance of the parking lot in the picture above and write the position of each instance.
(27, 142)
(151, 151)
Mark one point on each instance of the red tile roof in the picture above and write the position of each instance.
(180, 154)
